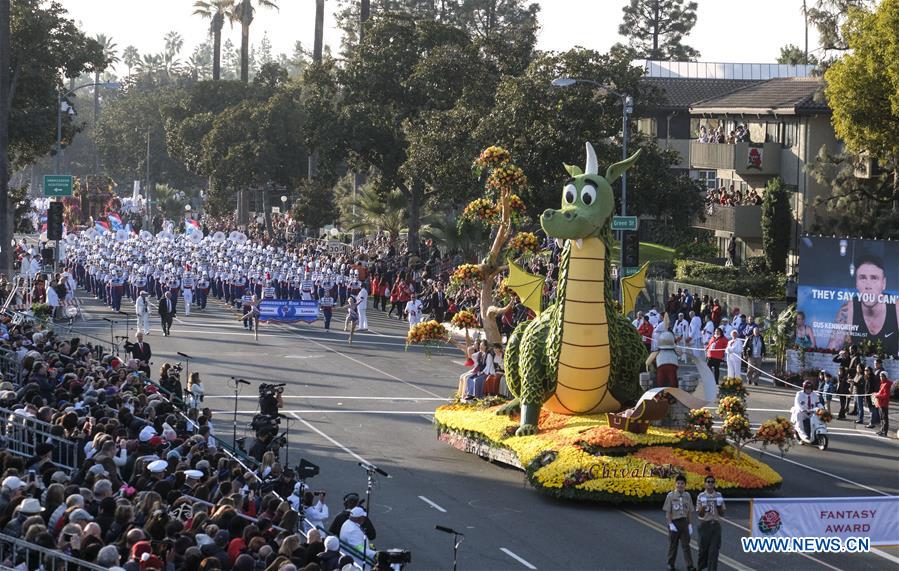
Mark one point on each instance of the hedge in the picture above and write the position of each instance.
(739, 281)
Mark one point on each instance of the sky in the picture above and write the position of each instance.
(725, 31)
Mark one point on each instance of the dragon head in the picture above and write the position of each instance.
(587, 200)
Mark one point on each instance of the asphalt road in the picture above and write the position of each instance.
(373, 401)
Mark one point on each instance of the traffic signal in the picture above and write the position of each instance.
(54, 221)
(630, 243)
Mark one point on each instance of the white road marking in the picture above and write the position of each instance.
(885, 555)
(517, 558)
(377, 370)
(432, 504)
(823, 472)
(410, 399)
(329, 439)
(302, 356)
(641, 519)
(338, 411)
(429, 418)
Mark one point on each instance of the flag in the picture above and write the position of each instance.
(115, 221)
(101, 227)
(190, 224)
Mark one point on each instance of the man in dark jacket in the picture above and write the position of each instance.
(167, 312)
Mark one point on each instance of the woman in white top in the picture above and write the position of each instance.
(733, 354)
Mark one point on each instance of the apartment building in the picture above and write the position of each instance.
(788, 122)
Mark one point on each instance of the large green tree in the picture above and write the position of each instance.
(863, 91)
(794, 55)
(215, 11)
(407, 79)
(257, 144)
(544, 127)
(655, 29)
(776, 225)
(122, 134)
(39, 46)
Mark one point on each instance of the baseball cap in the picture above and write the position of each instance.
(357, 512)
(13, 483)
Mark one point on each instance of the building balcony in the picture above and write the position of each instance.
(742, 221)
(743, 158)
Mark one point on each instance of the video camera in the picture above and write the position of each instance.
(266, 389)
(270, 398)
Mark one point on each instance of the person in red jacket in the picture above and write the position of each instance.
(883, 403)
(714, 352)
(645, 330)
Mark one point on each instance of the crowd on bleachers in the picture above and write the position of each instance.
(151, 487)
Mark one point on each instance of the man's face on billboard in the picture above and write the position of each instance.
(870, 282)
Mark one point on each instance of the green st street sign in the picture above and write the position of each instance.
(624, 223)
(629, 271)
(57, 185)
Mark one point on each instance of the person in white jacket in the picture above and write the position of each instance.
(142, 309)
(694, 337)
(681, 330)
(734, 354)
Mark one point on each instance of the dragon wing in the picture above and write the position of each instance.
(630, 289)
(527, 286)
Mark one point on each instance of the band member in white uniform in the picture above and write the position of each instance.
(187, 291)
(142, 309)
(362, 304)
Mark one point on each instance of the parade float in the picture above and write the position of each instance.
(580, 423)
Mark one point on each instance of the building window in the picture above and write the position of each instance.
(789, 130)
(707, 179)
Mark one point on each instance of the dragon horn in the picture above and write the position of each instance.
(614, 171)
(592, 164)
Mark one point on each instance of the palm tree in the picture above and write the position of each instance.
(151, 65)
(449, 235)
(372, 213)
(173, 44)
(319, 31)
(199, 62)
(243, 12)
(110, 56)
(215, 10)
(130, 57)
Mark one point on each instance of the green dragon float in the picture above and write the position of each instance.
(578, 356)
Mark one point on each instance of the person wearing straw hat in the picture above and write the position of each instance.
(28, 508)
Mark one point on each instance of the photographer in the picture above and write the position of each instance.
(314, 508)
(170, 380)
(351, 501)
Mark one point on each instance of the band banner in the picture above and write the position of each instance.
(874, 517)
(288, 310)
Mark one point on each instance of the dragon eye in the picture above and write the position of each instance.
(570, 194)
(588, 194)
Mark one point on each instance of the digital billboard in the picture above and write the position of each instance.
(848, 293)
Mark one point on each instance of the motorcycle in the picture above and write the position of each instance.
(818, 436)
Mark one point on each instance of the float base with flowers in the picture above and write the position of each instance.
(583, 458)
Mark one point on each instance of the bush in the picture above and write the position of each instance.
(756, 265)
(40, 310)
(730, 279)
(696, 250)
(661, 270)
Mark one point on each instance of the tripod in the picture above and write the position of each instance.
(370, 470)
(237, 383)
(457, 540)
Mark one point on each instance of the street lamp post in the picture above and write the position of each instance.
(627, 107)
(59, 98)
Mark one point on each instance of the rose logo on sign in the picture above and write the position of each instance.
(770, 522)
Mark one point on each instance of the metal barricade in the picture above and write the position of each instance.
(15, 552)
(21, 436)
(9, 365)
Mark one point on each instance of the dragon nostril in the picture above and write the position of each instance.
(548, 213)
(568, 215)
